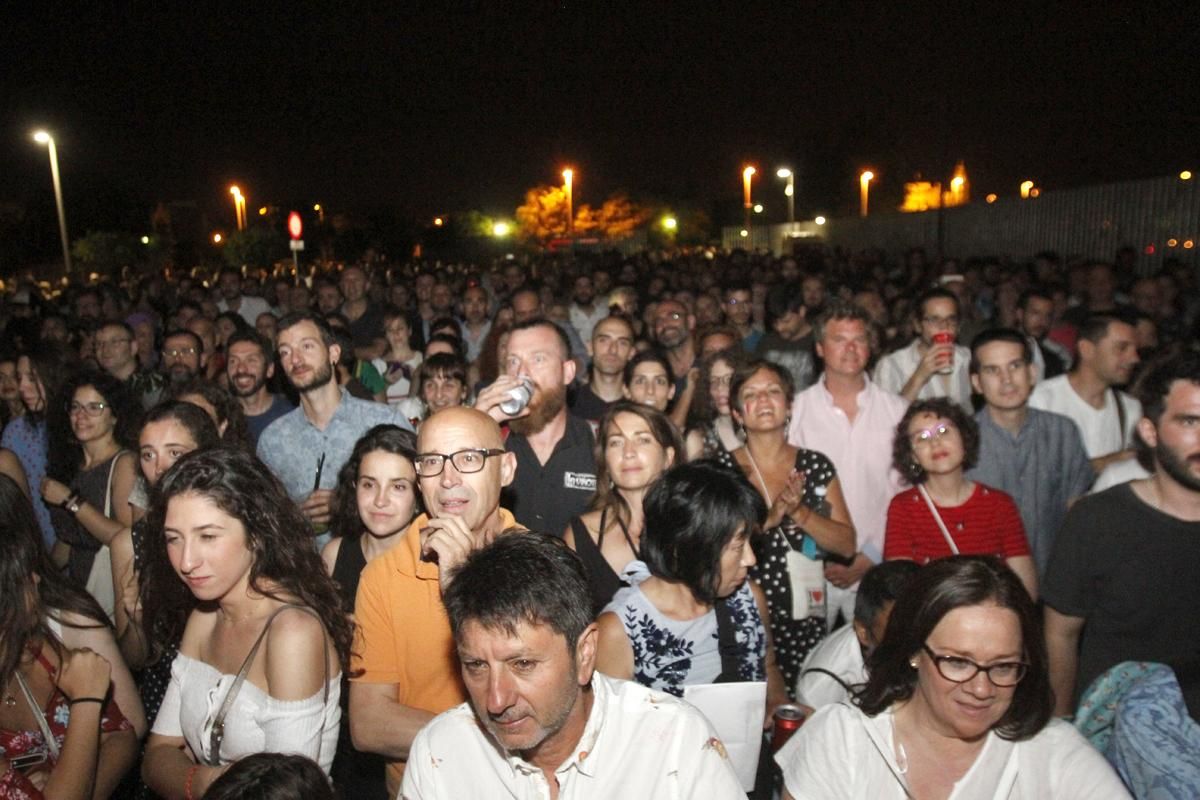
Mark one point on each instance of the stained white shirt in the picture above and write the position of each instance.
(1100, 427)
(637, 743)
(842, 753)
(894, 370)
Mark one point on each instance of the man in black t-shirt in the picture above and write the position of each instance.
(1123, 582)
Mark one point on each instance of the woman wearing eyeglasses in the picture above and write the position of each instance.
(944, 513)
(90, 475)
(957, 705)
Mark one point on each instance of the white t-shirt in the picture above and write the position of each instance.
(1099, 427)
(840, 654)
(637, 743)
(894, 370)
(842, 753)
(248, 309)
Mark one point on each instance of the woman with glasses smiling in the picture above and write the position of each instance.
(957, 705)
(944, 513)
(90, 475)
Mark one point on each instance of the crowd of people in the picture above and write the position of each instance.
(447, 530)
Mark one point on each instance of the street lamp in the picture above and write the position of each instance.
(670, 223)
(568, 176)
(747, 174)
(239, 207)
(41, 137)
(789, 191)
(864, 185)
(1026, 188)
(500, 230)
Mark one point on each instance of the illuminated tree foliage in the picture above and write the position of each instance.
(543, 216)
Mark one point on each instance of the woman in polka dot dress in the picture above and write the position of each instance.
(807, 518)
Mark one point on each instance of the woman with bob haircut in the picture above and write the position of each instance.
(944, 513)
(235, 571)
(635, 444)
(690, 592)
(62, 730)
(957, 704)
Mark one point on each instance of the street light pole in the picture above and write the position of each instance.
(41, 137)
(568, 175)
(789, 191)
(239, 207)
(864, 182)
(747, 174)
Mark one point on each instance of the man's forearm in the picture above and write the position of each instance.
(385, 726)
(1064, 661)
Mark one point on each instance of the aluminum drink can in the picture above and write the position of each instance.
(945, 337)
(788, 719)
(518, 397)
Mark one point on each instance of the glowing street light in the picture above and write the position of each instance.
(789, 191)
(864, 184)
(317, 207)
(145, 240)
(239, 207)
(217, 238)
(1186, 175)
(438, 222)
(500, 229)
(42, 137)
(819, 220)
(670, 223)
(1026, 188)
(568, 177)
(747, 174)
(758, 208)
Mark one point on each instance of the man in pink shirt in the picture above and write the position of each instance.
(852, 421)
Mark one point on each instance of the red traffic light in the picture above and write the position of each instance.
(295, 225)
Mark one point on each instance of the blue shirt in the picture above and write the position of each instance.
(292, 446)
(27, 440)
(1043, 467)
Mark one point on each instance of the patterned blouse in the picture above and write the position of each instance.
(669, 654)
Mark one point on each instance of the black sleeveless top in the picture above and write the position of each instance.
(347, 569)
(357, 774)
(603, 582)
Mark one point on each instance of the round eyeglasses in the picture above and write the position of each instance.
(91, 409)
(930, 435)
(957, 669)
(430, 465)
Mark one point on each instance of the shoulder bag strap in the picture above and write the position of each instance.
(1120, 415)
(834, 676)
(938, 519)
(112, 467)
(39, 715)
(217, 734)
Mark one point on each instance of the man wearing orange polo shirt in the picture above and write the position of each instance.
(405, 671)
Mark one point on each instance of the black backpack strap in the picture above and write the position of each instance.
(727, 644)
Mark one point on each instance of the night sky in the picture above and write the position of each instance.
(466, 105)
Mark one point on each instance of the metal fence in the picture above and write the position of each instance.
(1160, 218)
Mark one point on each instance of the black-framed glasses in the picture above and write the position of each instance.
(957, 669)
(430, 465)
(91, 409)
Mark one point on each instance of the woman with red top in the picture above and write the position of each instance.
(62, 734)
(944, 513)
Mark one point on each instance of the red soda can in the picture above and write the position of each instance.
(788, 719)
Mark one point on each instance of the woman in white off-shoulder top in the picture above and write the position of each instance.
(233, 565)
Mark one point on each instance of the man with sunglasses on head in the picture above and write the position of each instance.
(403, 663)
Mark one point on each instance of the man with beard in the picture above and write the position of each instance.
(183, 356)
(585, 311)
(612, 345)
(229, 284)
(556, 466)
(307, 447)
(1035, 312)
(249, 366)
(541, 721)
(1123, 582)
(674, 329)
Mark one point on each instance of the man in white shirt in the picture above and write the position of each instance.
(928, 367)
(586, 309)
(837, 665)
(541, 722)
(1088, 394)
(230, 286)
(853, 422)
